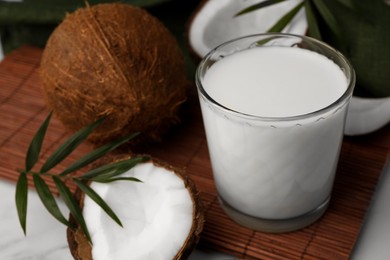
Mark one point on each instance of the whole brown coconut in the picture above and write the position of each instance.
(114, 60)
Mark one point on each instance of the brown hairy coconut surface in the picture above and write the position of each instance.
(81, 249)
(114, 60)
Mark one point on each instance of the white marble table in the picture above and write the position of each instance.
(374, 239)
(46, 238)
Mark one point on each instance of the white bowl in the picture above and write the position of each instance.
(366, 115)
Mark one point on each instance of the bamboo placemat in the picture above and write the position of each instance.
(23, 109)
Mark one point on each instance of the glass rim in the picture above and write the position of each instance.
(342, 99)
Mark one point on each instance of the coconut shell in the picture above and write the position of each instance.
(81, 249)
(79, 245)
(118, 61)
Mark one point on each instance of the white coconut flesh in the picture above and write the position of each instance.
(215, 23)
(156, 214)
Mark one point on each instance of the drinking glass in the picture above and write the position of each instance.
(273, 173)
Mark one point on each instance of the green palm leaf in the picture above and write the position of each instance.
(70, 145)
(71, 203)
(95, 197)
(96, 154)
(347, 3)
(314, 30)
(36, 144)
(108, 180)
(48, 200)
(327, 16)
(106, 173)
(285, 19)
(259, 6)
(21, 195)
(113, 169)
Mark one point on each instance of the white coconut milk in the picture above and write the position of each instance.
(264, 165)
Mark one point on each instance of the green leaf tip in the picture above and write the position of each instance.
(72, 204)
(118, 179)
(95, 197)
(36, 144)
(48, 199)
(258, 6)
(112, 170)
(21, 196)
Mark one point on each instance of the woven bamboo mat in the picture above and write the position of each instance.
(23, 109)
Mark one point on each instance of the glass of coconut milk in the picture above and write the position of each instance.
(274, 108)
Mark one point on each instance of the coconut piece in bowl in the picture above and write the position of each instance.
(214, 22)
(161, 217)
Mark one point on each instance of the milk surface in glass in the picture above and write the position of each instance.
(262, 166)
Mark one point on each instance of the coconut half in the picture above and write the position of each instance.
(213, 23)
(161, 217)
